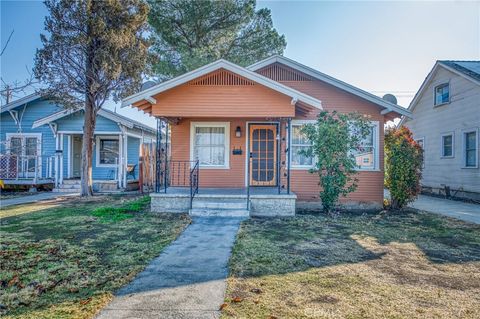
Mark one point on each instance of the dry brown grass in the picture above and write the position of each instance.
(410, 265)
(66, 260)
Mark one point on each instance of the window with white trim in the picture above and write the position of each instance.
(108, 150)
(299, 143)
(442, 94)
(470, 149)
(366, 154)
(447, 145)
(210, 144)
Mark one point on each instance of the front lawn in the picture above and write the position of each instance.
(64, 260)
(390, 265)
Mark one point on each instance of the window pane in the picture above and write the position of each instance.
(209, 147)
(300, 159)
(16, 146)
(442, 94)
(31, 146)
(447, 145)
(470, 149)
(297, 136)
(365, 159)
(108, 151)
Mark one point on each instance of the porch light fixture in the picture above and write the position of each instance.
(238, 131)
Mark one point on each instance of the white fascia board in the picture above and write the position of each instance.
(332, 81)
(53, 117)
(23, 100)
(222, 64)
(116, 118)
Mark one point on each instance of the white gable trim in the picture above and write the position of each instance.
(19, 102)
(221, 64)
(427, 81)
(331, 80)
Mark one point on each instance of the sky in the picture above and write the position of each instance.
(379, 46)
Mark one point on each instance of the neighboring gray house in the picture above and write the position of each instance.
(446, 121)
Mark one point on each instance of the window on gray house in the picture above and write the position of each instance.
(471, 149)
(447, 145)
(442, 94)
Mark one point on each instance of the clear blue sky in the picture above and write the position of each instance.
(378, 46)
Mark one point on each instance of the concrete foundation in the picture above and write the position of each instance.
(270, 205)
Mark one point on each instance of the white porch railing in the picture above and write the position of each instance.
(34, 167)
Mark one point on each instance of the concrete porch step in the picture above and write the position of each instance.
(66, 190)
(206, 212)
(71, 181)
(219, 204)
(70, 186)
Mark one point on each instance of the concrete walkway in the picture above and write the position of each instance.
(187, 280)
(33, 198)
(456, 209)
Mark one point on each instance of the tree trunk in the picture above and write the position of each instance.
(87, 149)
(90, 114)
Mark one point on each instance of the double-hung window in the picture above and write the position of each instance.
(299, 143)
(442, 94)
(366, 153)
(470, 140)
(447, 145)
(108, 151)
(210, 144)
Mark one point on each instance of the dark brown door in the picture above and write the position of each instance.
(263, 150)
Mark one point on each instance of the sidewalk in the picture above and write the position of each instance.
(465, 211)
(187, 280)
(33, 198)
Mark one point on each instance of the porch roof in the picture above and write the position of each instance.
(144, 100)
(119, 119)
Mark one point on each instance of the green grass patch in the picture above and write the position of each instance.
(66, 260)
(405, 264)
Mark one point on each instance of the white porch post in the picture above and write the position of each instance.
(120, 161)
(62, 157)
(57, 160)
(125, 159)
(69, 156)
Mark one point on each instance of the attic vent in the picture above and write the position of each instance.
(221, 77)
(278, 72)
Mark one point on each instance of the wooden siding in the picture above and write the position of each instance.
(234, 177)
(222, 100)
(429, 122)
(305, 184)
(254, 103)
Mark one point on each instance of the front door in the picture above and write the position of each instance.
(77, 155)
(263, 154)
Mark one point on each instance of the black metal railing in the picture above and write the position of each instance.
(194, 179)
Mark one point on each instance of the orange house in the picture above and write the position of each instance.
(228, 138)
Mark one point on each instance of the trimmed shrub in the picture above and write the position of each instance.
(403, 166)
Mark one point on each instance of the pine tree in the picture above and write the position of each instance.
(188, 34)
(94, 50)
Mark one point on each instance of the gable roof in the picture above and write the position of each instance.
(221, 64)
(14, 104)
(470, 70)
(102, 112)
(389, 107)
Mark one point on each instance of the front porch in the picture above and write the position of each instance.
(256, 201)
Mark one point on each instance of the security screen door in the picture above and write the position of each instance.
(263, 150)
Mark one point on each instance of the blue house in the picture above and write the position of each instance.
(41, 143)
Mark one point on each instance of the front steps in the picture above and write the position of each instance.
(219, 207)
(68, 186)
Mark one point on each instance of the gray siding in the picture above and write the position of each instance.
(429, 122)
